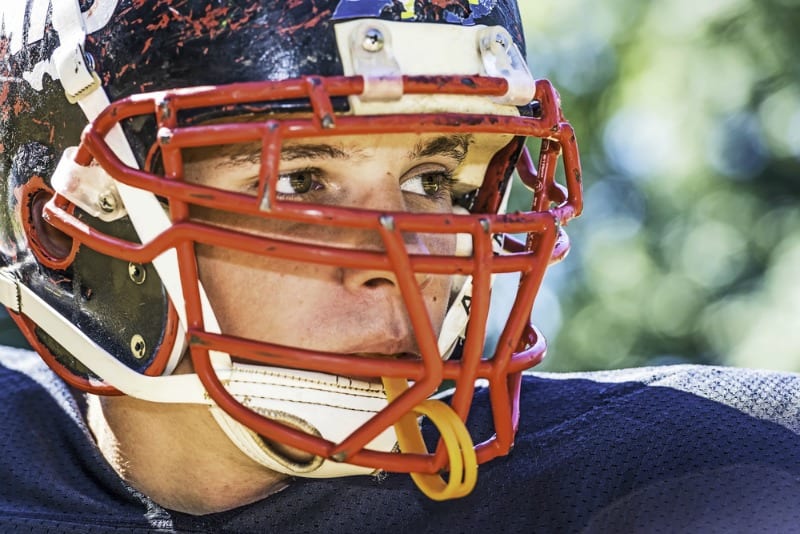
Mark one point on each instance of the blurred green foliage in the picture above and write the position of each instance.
(688, 119)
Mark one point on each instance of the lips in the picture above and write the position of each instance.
(408, 356)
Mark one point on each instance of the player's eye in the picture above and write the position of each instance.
(429, 182)
(298, 182)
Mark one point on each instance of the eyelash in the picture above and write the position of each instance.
(445, 184)
(315, 184)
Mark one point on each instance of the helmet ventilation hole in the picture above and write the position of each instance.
(52, 247)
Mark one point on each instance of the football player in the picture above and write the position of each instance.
(256, 241)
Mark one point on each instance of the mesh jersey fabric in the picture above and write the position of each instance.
(663, 449)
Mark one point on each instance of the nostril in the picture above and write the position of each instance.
(377, 282)
(390, 282)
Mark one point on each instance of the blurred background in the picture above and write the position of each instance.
(688, 119)
(687, 114)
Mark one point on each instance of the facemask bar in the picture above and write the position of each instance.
(527, 345)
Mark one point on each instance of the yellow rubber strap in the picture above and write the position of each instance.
(463, 463)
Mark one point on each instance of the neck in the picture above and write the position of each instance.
(177, 455)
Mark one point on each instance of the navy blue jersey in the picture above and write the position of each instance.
(669, 449)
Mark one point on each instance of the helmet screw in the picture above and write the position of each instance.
(500, 39)
(107, 202)
(373, 40)
(136, 273)
(138, 347)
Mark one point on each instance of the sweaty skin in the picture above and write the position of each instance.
(176, 454)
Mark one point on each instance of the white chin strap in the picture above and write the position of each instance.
(324, 405)
(319, 404)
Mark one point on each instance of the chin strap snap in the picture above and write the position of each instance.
(463, 463)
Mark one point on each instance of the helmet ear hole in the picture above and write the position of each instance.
(52, 247)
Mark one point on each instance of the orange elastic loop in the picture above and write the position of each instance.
(463, 463)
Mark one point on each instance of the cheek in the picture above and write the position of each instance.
(438, 291)
(241, 286)
(441, 244)
(245, 289)
(225, 276)
(438, 297)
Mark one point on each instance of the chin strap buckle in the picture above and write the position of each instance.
(69, 63)
(9, 291)
(76, 76)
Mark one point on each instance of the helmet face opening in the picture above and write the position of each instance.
(190, 213)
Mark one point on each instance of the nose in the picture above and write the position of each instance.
(387, 306)
(374, 279)
(386, 197)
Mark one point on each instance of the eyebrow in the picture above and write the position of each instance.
(316, 151)
(452, 146)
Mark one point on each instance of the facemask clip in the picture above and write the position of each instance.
(502, 59)
(373, 58)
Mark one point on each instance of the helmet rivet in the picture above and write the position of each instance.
(138, 347)
(136, 273)
(107, 202)
(373, 40)
(500, 39)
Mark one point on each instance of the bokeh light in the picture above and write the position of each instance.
(688, 119)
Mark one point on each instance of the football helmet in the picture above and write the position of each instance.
(100, 100)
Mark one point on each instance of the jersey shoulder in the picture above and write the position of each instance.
(695, 448)
(59, 480)
(654, 449)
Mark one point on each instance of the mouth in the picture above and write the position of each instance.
(404, 356)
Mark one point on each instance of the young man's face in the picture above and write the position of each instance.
(321, 307)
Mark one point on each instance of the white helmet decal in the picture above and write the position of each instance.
(33, 15)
